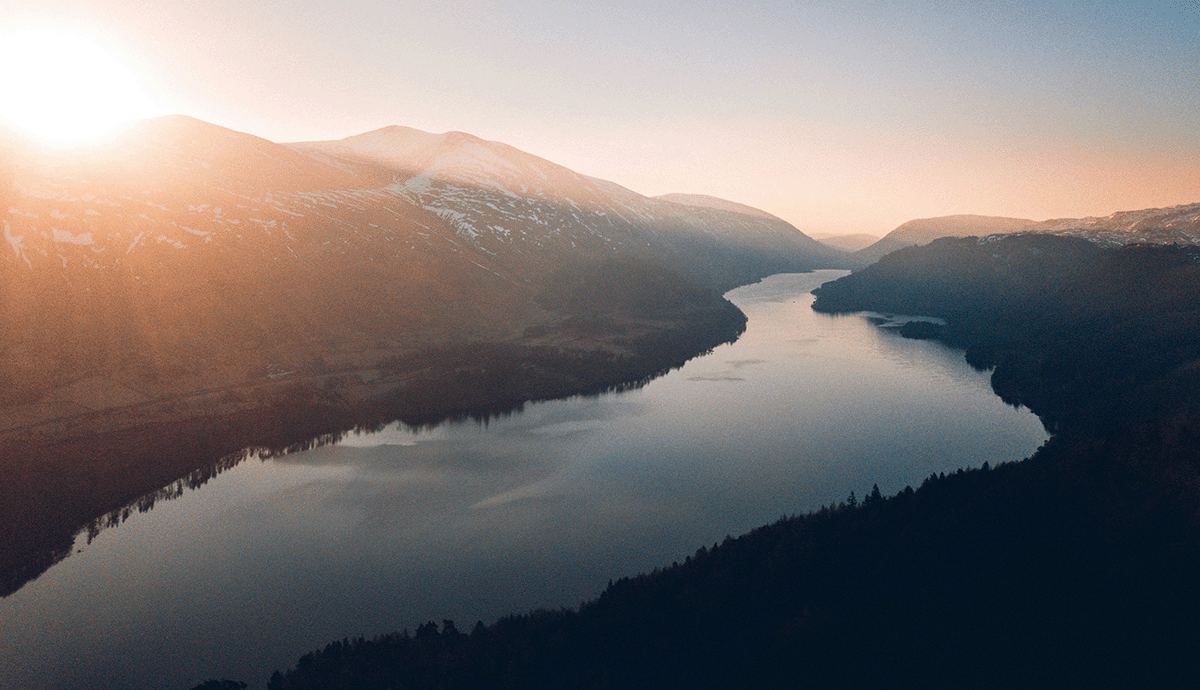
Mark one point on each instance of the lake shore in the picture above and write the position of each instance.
(84, 468)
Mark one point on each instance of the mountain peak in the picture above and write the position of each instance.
(457, 158)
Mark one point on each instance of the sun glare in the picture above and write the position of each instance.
(66, 88)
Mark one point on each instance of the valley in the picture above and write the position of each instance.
(599, 346)
(185, 291)
(387, 527)
(186, 297)
(1074, 566)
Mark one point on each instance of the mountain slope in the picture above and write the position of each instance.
(181, 243)
(509, 202)
(1172, 225)
(186, 245)
(706, 201)
(925, 230)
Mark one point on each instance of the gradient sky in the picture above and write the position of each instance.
(837, 116)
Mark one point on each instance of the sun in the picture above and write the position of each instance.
(66, 88)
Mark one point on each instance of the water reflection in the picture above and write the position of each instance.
(469, 521)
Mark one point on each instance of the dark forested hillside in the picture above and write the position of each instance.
(1074, 568)
(1090, 339)
(1062, 571)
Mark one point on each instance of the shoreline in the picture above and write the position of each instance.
(91, 470)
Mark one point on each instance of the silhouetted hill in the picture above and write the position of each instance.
(1086, 337)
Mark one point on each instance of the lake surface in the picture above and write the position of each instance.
(540, 509)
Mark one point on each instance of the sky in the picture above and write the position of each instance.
(846, 116)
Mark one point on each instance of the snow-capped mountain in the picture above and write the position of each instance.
(181, 245)
(506, 201)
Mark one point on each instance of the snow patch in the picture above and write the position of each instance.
(17, 245)
(70, 237)
(419, 185)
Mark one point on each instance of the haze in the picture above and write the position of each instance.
(836, 116)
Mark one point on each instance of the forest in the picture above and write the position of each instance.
(1073, 568)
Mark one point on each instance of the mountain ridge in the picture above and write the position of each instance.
(1178, 224)
(173, 200)
(706, 201)
(924, 230)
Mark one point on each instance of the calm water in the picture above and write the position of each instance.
(541, 509)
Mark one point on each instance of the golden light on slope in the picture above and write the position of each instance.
(66, 88)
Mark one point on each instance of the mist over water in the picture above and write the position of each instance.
(540, 509)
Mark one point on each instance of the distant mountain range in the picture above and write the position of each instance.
(1173, 225)
(849, 243)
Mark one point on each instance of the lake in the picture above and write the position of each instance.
(542, 508)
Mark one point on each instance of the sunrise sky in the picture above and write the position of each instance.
(838, 116)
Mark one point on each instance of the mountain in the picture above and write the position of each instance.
(182, 249)
(181, 245)
(925, 230)
(1173, 225)
(848, 243)
(706, 201)
(510, 202)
